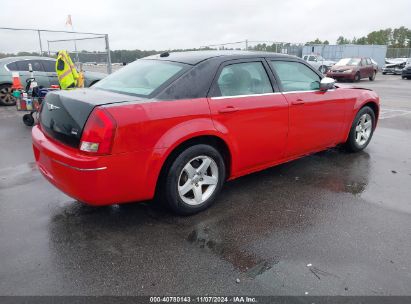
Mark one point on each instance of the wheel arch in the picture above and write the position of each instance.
(373, 105)
(209, 139)
(370, 102)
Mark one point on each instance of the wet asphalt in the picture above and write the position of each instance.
(328, 224)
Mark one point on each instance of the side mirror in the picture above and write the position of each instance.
(326, 84)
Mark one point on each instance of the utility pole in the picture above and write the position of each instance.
(41, 47)
(246, 44)
(109, 68)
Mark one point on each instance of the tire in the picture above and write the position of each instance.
(6, 97)
(322, 69)
(357, 77)
(183, 190)
(384, 73)
(372, 78)
(28, 120)
(356, 142)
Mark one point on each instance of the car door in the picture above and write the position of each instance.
(246, 105)
(316, 117)
(364, 69)
(38, 71)
(49, 66)
(370, 66)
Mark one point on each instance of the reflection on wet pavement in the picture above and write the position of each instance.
(346, 214)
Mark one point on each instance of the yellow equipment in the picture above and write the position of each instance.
(66, 71)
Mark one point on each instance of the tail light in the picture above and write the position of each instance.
(98, 134)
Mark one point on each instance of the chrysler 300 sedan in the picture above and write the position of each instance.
(176, 126)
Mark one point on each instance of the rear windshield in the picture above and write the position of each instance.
(142, 77)
(349, 61)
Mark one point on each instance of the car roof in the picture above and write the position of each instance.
(195, 57)
(16, 58)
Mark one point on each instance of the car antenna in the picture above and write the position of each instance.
(165, 54)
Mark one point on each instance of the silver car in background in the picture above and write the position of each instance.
(319, 63)
(44, 69)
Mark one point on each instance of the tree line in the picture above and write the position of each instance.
(393, 38)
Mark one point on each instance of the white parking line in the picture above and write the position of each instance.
(387, 113)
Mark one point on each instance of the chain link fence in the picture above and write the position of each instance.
(90, 51)
(399, 53)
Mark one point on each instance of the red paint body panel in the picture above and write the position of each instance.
(259, 123)
(262, 131)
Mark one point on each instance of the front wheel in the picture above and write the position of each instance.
(357, 77)
(194, 179)
(362, 130)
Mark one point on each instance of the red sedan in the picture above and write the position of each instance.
(353, 69)
(178, 125)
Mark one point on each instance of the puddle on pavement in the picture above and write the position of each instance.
(18, 175)
(334, 170)
(248, 263)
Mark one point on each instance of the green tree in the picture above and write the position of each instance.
(342, 40)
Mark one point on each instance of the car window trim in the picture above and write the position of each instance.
(292, 60)
(214, 85)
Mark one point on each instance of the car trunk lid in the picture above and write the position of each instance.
(64, 113)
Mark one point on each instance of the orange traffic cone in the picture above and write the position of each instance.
(16, 82)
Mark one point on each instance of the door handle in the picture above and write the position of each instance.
(297, 102)
(229, 109)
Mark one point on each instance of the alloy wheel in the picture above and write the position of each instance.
(198, 180)
(363, 129)
(6, 96)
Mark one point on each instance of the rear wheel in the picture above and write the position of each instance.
(362, 130)
(372, 77)
(6, 97)
(194, 179)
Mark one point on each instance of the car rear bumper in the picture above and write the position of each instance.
(95, 180)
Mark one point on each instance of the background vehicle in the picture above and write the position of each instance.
(179, 125)
(393, 68)
(406, 72)
(44, 70)
(353, 69)
(319, 62)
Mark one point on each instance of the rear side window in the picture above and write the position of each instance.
(24, 65)
(295, 76)
(247, 78)
(141, 77)
(369, 61)
(49, 65)
(12, 66)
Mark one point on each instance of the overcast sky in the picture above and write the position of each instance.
(169, 24)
